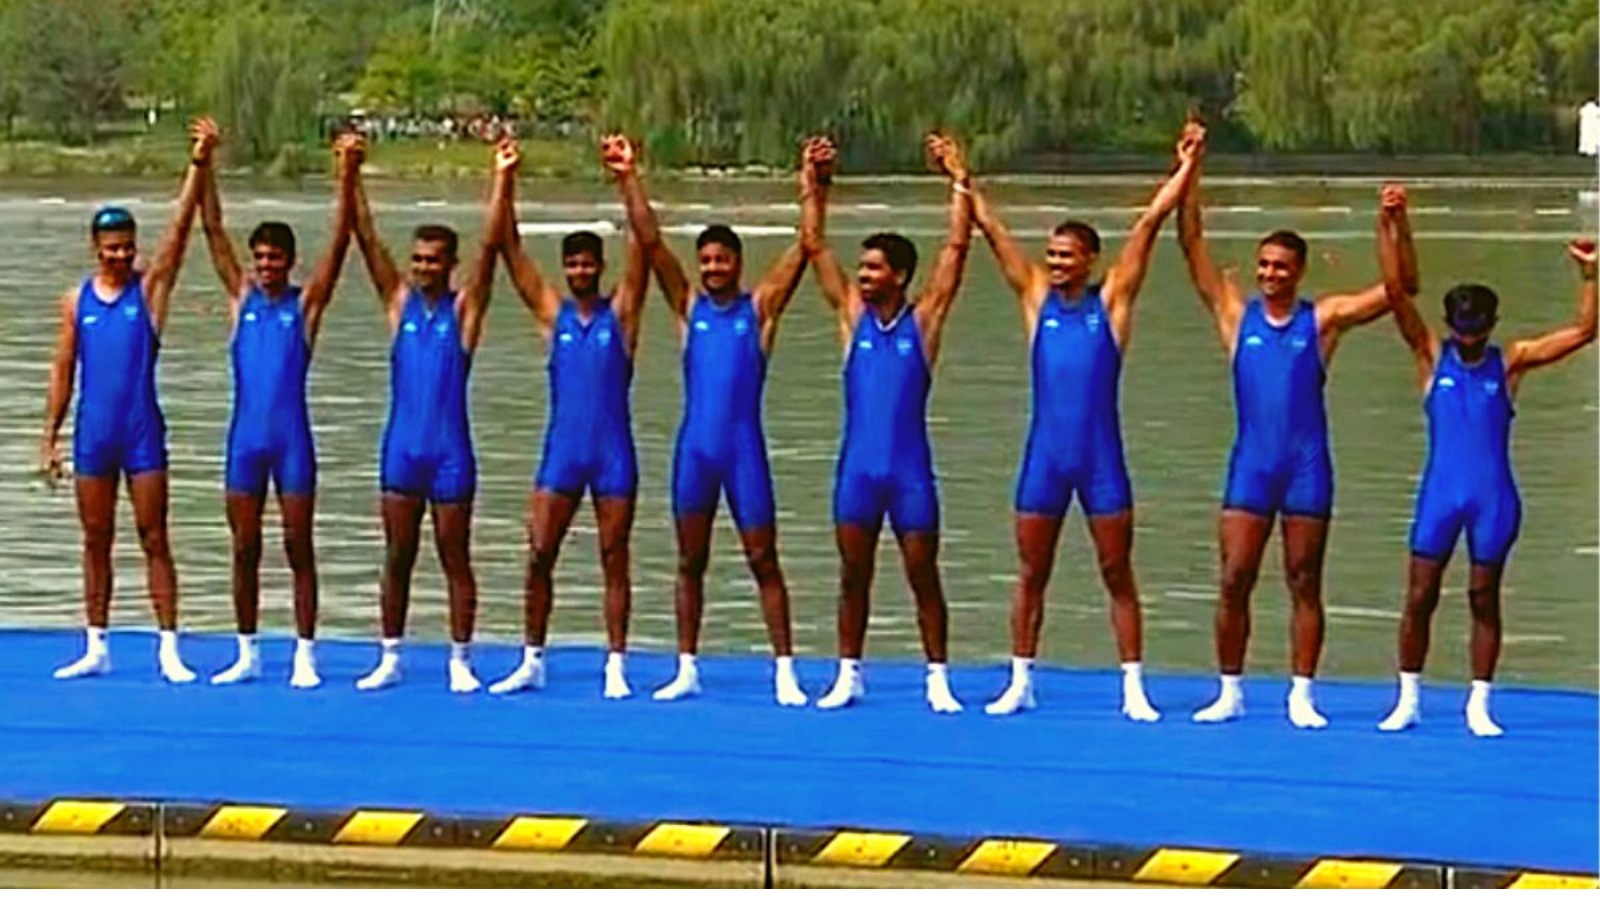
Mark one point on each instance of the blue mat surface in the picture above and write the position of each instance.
(1071, 771)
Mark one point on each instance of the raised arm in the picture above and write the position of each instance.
(59, 396)
(1127, 273)
(1026, 279)
(162, 275)
(1220, 295)
(1526, 355)
(620, 156)
(223, 258)
(473, 298)
(1400, 281)
(1338, 313)
(380, 265)
(318, 291)
(773, 293)
(818, 157)
(938, 296)
(537, 294)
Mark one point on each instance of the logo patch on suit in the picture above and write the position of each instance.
(1253, 340)
(565, 337)
(250, 316)
(90, 319)
(130, 311)
(1052, 322)
(740, 326)
(864, 344)
(903, 346)
(442, 327)
(1491, 387)
(1093, 321)
(604, 337)
(701, 326)
(1447, 382)
(286, 318)
(410, 327)
(1299, 343)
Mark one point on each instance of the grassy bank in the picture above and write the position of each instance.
(163, 155)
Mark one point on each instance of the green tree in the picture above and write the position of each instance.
(73, 63)
(259, 85)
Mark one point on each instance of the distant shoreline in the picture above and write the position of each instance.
(423, 161)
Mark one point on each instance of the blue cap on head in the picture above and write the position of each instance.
(111, 218)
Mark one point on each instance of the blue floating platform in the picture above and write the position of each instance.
(1072, 771)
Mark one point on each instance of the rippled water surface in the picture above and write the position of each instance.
(1177, 416)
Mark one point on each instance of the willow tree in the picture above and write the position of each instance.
(258, 85)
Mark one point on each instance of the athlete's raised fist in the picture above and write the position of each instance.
(944, 155)
(618, 154)
(1583, 253)
(507, 156)
(817, 158)
(1392, 200)
(203, 136)
(349, 149)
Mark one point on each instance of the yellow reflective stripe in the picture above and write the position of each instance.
(371, 827)
(1185, 866)
(861, 848)
(246, 823)
(537, 833)
(678, 839)
(1007, 857)
(76, 817)
(1349, 873)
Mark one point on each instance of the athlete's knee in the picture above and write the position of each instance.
(763, 560)
(1422, 597)
(247, 549)
(98, 537)
(1484, 601)
(692, 563)
(1305, 582)
(1237, 582)
(614, 557)
(153, 541)
(400, 555)
(542, 555)
(1034, 572)
(1116, 572)
(924, 577)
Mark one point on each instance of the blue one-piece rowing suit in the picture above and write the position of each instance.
(1467, 483)
(1281, 463)
(427, 444)
(588, 443)
(118, 428)
(886, 461)
(1075, 439)
(270, 432)
(721, 447)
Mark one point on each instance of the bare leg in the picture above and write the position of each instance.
(1422, 598)
(244, 523)
(1484, 595)
(1305, 543)
(694, 551)
(1113, 544)
(858, 551)
(402, 526)
(1242, 537)
(761, 552)
(298, 542)
(148, 490)
(97, 513)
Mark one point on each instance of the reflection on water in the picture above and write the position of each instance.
(1177, 416)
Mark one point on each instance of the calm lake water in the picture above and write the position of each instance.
(1177, 412)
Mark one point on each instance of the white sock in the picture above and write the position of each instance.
(1302, 708)
(1410, 687)
(97, 640)
(532, 656)
(1479, 720)
(390, 646)
(168, 642)
(850, 668)
(614, 660)
(304, 646)
(847, 687)
(786, 685)
(685, 683)
(460, 651)
(247, 646)
(940, 699)
(1021, 669)
(1229, 703)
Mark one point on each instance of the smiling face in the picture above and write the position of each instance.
(272, 265)
(583, 273)
(1278, 271)
(878, 279)
(115, 252)
(719, 269)
(1068, 260)
(431, 264)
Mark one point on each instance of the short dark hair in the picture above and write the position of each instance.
(900, 252)
(583, 242)
(1288, 240)
(1081, 230)
(438, 234)
(274, 234)
(720, 234)
(1471, 309)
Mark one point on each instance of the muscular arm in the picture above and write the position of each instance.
(837, 290)
(1554, 346)
(628, 300)
(380, 265)
(1127, 273)
(1400, 289)
(933, 306)
(473, 299)
(647, 231)
(223, 258)
(1026, 279)
(1219, 295)
(163, 272)
(537, 295)
(318, 291)
(59, 395)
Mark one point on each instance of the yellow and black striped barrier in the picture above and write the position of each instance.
(412, 828)
(883, 850)
(79, 817)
